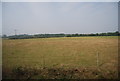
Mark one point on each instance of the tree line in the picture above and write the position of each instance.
(26, 36)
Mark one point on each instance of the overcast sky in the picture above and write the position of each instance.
(59, 17)
(0, 18)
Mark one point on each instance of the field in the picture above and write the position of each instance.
(65, 54)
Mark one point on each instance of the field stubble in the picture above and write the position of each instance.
(69, 53)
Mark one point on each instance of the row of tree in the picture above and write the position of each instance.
(26, 36)
(96, 34)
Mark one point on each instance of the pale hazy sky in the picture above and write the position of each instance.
(0, 18)
(59, 17)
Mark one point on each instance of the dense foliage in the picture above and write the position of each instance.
(26, 36)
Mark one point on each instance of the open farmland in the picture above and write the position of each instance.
(78, 53)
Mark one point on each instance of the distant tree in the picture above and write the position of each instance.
(4, 36)
(97, 34)
(68, 35)
(117, 33)
(26, 36)
(76, 35)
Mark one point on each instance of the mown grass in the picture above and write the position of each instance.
(65, 52)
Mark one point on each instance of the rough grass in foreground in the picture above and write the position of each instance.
(60, 73)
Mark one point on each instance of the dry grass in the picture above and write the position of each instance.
(70, 52)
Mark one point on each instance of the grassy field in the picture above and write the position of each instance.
(65, 53)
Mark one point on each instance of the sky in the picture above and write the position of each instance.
(59, 17)
(0, 18)
(60, 0)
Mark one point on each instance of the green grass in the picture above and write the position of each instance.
(64, 52)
